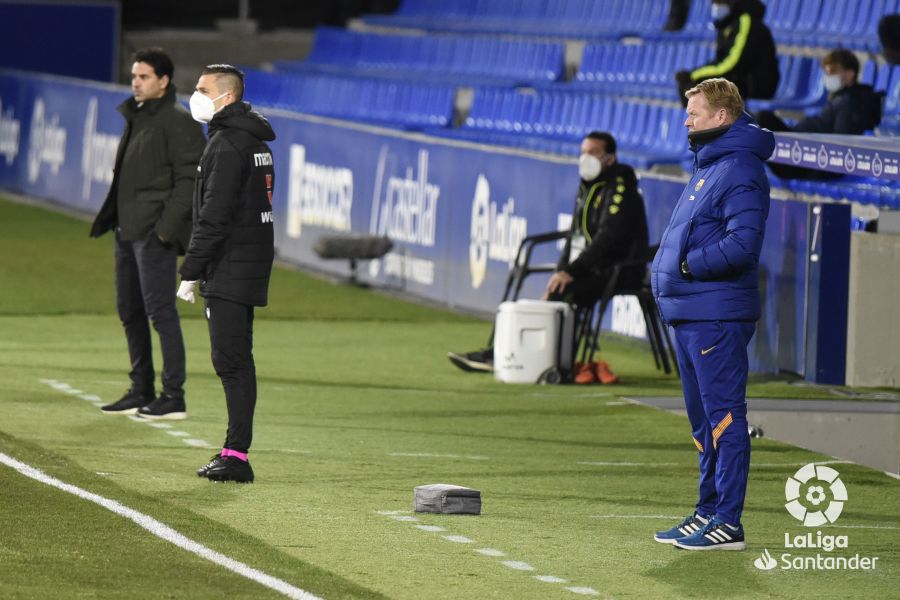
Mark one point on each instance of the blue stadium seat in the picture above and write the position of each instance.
(801, 85)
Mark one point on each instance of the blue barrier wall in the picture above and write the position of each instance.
(75, 39)
(455, 210)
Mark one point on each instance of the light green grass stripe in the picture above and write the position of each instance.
(161, 530)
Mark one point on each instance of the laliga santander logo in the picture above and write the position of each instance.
(808, 492)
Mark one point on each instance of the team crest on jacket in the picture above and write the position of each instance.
(699, 185)
(269, 188)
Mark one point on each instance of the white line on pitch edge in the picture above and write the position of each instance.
(459, 539)
(431, 455)
(492, 552)
(406, 518)
(634, 517)
(584, 591)
(196, 443)
(176, 433)
(518, 565)
(629, 464)
(162, 531)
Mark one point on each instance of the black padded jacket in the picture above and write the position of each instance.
(232, 241)
(609, 215)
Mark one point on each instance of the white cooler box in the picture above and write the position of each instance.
(533, 342)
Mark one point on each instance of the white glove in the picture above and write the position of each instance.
(186, 291)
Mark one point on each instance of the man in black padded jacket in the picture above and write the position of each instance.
(231, 250)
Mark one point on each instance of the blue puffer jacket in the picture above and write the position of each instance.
(718, 226)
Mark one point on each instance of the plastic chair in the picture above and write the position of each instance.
(657, 332)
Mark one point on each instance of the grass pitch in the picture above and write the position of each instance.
(357, 405)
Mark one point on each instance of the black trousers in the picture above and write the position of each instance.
(231, 340)
(145, 289)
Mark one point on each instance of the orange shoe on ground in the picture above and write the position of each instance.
(585, 373)
(604, 373)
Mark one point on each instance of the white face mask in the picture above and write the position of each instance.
(833, 83)
(203, 108)
(719, 11)
(589, 167)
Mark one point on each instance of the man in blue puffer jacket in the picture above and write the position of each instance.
(704, 278)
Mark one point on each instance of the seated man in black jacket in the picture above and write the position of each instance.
(609, 225)
(853, 108)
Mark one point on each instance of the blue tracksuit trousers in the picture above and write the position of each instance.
(712, 357)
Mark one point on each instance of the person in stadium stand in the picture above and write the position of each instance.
(609, 224)
(149, 208)
(705, 279)
(853, 108)
(889, 34)
(745, 51)
(231, 250)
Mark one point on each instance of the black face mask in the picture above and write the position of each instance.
(699, 138)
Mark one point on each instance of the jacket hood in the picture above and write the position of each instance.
(240, 115)
(744, 135)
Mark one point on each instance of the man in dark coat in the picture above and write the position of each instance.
(231, 250)
(745, 51)
(149, 207)
(705, 278)
(609, 224)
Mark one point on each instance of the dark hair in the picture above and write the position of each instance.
(609, 142)
(843, 58)
(889, 31)
(232, 78)
(157, 58)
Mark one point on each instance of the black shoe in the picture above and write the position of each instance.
(231, 469)
(128, 404)
(481, 360)
(165, 407)
(215, 461)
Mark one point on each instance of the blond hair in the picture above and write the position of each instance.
(720, 93)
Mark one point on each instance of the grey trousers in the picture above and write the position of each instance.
(145, 293)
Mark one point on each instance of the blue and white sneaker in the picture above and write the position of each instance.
(715, 535)
(690, 525)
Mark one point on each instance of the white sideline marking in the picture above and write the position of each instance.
(629, 464)
(584, 591)
(196, 443)
(863, 527)
(518, 565)
(490, 552)
(894, 475)
(459, 539)
(162, 531)
(618, 403)
(792, 465)
(405, 518)
(635, 517)
(68, 389)
(430, 455)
